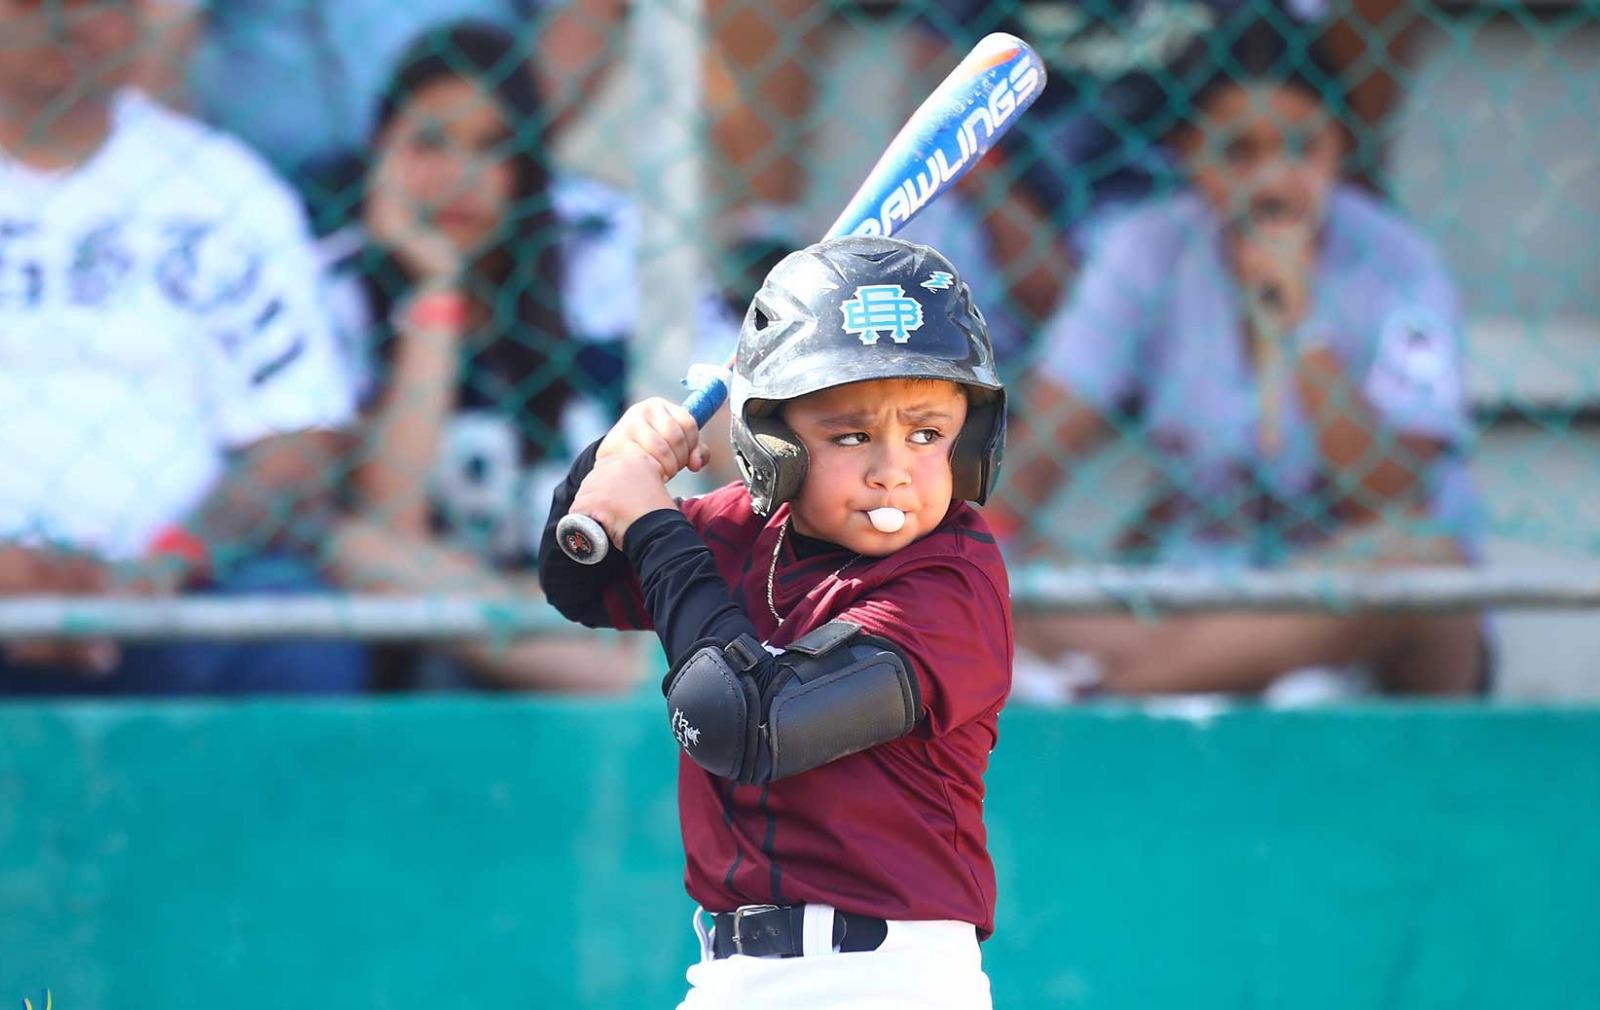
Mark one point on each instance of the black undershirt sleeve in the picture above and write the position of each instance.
(689, 601)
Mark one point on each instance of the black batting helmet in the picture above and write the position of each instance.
(849, 310)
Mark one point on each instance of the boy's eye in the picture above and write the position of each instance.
(925, 436)
(851, 439)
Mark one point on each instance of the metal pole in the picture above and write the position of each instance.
(1341, 590)
(372, 618)
(667, 149)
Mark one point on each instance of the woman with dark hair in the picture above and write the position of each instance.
(492, 300)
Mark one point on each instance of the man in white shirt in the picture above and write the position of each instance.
(170, 396)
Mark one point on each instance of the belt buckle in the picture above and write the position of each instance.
(738, 921)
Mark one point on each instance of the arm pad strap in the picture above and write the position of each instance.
(753, 720)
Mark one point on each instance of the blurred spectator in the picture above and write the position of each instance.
(1289, 349)
(761, 93)
(499, 300)
(169, 386)
(299, 79)
(1119, 75)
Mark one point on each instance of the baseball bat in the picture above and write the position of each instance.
(956, 125)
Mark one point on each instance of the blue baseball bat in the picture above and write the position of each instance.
(960, 121)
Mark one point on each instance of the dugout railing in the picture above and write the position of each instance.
(1089, 589)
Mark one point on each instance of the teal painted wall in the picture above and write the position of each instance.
(473, 853)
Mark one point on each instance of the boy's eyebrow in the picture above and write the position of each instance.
(922, 414)
(918, 414)
(855, 419)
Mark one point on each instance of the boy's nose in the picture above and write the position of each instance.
(891, 468)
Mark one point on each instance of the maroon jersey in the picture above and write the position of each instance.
(895, 831)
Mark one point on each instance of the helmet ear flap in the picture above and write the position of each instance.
(771, 459)
(975, 458)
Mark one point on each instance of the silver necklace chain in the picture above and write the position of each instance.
(772, 570)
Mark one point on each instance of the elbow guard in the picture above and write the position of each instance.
(832, 693)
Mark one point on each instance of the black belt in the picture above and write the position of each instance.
(777, 931)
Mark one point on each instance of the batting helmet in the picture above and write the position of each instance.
(850, 310)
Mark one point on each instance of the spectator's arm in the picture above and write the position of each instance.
(169, 33)
(275, 493)
(1382, 417)
(403, 435)
(1372, 467)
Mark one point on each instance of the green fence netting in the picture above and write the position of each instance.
(1297, 301)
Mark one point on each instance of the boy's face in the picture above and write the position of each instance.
(1263, 153)
(872, 444)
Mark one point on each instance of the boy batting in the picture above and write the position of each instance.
(838, 626)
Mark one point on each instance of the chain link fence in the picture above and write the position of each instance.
(1297, 300)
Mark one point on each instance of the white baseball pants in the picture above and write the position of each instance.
(920, 966)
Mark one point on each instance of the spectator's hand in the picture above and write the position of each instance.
(621, 488)
(1275, 256)
(22, 570)
(394, 218)
(659, 430)
(27, 570)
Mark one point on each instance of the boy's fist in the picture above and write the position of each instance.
(661, 430)
(644, 449)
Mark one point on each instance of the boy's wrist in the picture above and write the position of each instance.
(643, 530)
(629, 518)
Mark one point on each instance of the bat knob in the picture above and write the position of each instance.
(582, 539)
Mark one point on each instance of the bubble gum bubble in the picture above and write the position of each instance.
(887, 519)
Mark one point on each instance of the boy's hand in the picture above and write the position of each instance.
(660, 430)
(622, 487)
(647, 447)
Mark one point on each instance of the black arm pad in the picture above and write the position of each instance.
(832, 693)
(715, 708)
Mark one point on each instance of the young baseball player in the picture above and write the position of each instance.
(839, 632)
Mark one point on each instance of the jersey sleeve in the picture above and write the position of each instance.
(1413, 377)
(255, 281)
(1093, 343)
(955, 627)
